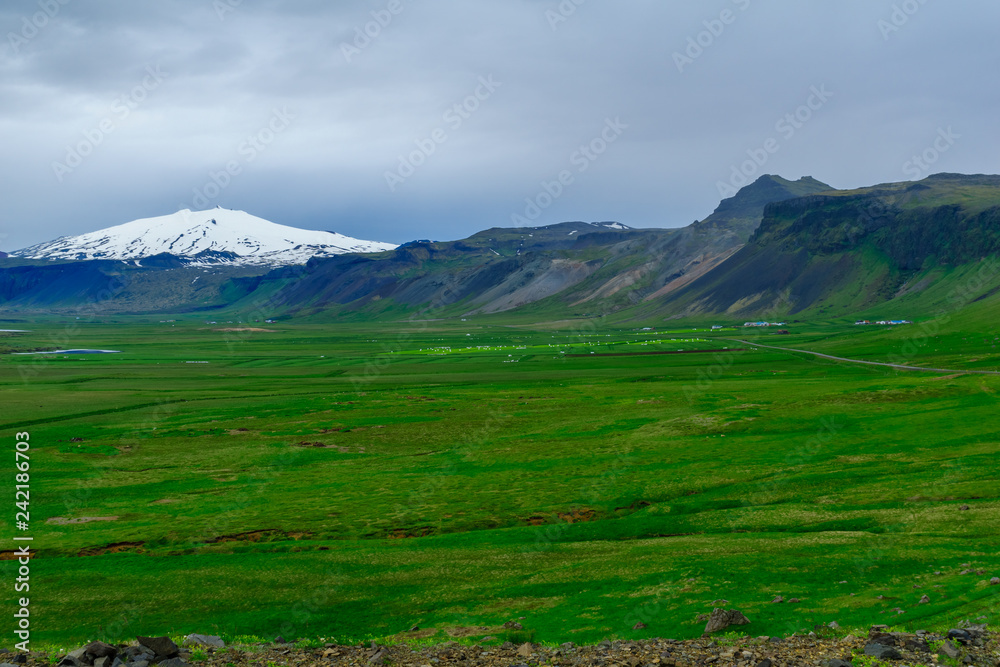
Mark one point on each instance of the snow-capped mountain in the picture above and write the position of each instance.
(217, 236)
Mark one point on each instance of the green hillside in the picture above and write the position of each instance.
(901, 250)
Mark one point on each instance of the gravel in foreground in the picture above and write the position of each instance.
(969, 646)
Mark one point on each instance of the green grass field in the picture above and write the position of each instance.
(351, 481)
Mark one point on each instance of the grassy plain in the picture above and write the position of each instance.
(355, 480)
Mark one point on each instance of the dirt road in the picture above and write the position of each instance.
(867, 363)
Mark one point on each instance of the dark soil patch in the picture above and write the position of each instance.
(322, 445)
(266, 535)
(410, 533)
(114, 548)
(578, 516)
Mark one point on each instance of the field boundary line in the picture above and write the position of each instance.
(867, 363)
(94, 413)
(129, 408)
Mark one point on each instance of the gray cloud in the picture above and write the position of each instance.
(229, 66)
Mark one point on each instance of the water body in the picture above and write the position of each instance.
(14, 331)
(74, 352)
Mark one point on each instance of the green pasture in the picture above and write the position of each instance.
(355, 480)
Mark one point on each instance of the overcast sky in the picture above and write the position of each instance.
(116, 110)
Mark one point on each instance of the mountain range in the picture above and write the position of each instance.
(898, 248)
(778, 247)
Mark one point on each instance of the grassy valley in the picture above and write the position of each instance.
(567, 426)
(357, 480)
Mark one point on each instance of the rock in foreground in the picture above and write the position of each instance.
(721, 619)
(163, 647)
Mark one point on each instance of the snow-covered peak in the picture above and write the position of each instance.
(223, 235)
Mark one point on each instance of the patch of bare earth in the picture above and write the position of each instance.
(269, 534)
(63, 521)
(475, 631)
(423, 531)
(321, 445)
(579, 515)
(115, 548)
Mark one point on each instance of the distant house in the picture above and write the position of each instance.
(716, 326)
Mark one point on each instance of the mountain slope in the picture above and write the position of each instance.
(218, 236)
(568, 269)
(888, 248)
(741, 214)
(559, 270)
(702, 246)
(495, 270)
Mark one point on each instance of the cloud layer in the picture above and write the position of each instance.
(394, 120)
